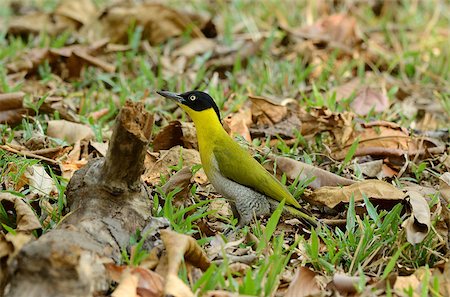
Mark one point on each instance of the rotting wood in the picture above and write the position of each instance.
(107, 202)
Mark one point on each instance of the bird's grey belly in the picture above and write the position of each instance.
(248, 202)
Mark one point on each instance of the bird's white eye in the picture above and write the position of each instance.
(192, 97)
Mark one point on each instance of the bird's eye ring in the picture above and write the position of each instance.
(192, 97)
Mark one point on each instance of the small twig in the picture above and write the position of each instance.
(28, 154)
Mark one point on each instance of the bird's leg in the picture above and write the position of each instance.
(249, 206)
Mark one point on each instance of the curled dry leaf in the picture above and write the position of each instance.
(318, 120)
(68, 131)
(135, 280)
(345, 284)
(382, 138)
(225, 61)
(444, 186)
(195, 47)
(238, 123)
(418, 224)
(26, 220)
(66, 61)
(127, 285)
(11, 108)
(179, 246)
(332, 196)
(294, 169)
(176, 133)
(39, 181)
(265, 112)
(367, 96)
(158, 23)
(336, 30)
(303, 284)
(160, 163)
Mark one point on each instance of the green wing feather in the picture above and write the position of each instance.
(236, 164)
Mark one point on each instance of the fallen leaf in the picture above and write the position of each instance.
(368, 96)
(195, 47)
(26, 220)
(336, 30)
(406, 284)
(223, 61)
(81, 11)
(158, 23)
(179, 246)
(265, 112)
(68, 131)
(345, 284)
(39, 181)
(238, 123)
(160, 163)
(149, 283)
(332, 196)
(303, 284)
(294, 169)
(444, 186)
(176, 133)
(127, 286)
(382, 138)
(318, 120)
(11, 108)
(418, 224)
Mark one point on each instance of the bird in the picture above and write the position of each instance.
(233, 172)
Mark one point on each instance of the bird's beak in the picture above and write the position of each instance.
(171, 95)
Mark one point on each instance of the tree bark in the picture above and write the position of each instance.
(107, 202)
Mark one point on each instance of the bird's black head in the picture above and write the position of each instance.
(195, 100)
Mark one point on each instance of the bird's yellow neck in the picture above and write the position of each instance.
(209, 131)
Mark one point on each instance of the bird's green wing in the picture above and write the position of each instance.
(236, 164)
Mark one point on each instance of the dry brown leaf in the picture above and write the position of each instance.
(407, 283)
(67, 61)
(11, 109)
(418, 224)
(303, 284)
(158, 22)
(382, 138)
(294, 169)
(345, 284)
(222, 62)
(176, 133)
(73, 162)
(157, 164)
(367, 99)
(444, 280)
(238, 123)
(81, 11)
(34, 23)
(318, 120)
(149, 283)
(179, 246)
(68, 131)
(127, 285)
(367, 96)
(332, 196)
(168, 137)
(39, 181)
(26, 220)
(11, 100)
(337, 31)
(444, 186)
(266, 113)
(195, 47)
(100, 147)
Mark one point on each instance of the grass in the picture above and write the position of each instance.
(415, 57)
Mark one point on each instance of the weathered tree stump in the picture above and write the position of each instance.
(107, 202)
